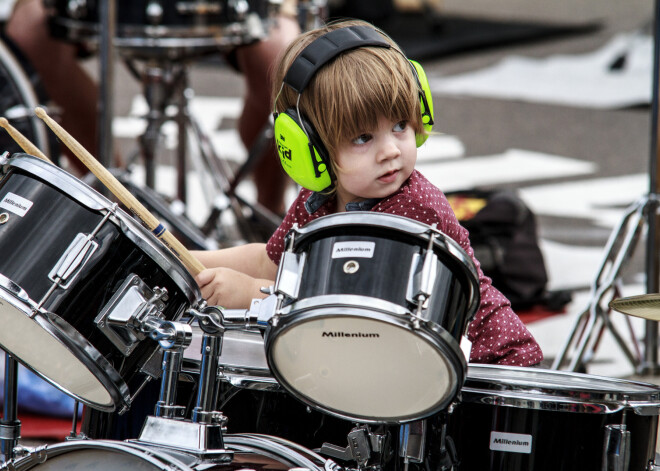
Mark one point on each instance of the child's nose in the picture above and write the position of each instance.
(389, 149)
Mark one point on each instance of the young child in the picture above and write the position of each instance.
(361, 108)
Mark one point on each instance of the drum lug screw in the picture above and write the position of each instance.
(4, 217)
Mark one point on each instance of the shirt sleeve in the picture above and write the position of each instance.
(496, 332)
(296, 213)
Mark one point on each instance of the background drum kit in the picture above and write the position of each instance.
(101, 304)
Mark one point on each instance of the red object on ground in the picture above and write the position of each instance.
(40, 426)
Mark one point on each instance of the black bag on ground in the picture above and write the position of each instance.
(504, 238)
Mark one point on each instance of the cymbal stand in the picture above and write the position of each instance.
(10, 426)
(591, 323)
(165, 83)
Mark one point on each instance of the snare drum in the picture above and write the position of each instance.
(512, 418)
(148, 27)
(247, 452)
(242, 362)
(70, 259)
(377, 305)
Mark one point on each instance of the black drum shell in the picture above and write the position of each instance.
(561, 438)
(385, 275)
(31, 246)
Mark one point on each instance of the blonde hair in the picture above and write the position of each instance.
(348, 94)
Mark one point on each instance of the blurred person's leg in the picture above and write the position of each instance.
(67, 84)
(256, 62)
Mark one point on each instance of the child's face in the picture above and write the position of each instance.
(375, 163)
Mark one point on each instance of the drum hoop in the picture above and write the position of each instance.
(155, 457)
(251, 382)
(512, 393)
(79, 346)
(72, 340)
(446, 344)
(345, 300)
(405, 226)
(90, 198)
(280, 447)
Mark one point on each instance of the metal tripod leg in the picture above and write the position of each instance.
(167, 84)
(223, 178)
(10, 426)
(618, 251)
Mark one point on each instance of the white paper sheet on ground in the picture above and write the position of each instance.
(585, 80)
(513, 165)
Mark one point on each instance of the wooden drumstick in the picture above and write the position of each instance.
(23, 141)
(193, 265)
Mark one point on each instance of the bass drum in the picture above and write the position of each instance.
(21, 92)
(252, 452)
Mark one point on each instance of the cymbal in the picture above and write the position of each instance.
(646, 306)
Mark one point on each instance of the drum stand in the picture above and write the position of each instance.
(591, 323)
(10, 426)
(165, 83)
(203, 434)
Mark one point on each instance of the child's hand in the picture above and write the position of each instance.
(227, 288)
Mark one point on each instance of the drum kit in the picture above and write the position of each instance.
(101, 307)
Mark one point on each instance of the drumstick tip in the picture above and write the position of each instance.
(40, 112)
(3, 122)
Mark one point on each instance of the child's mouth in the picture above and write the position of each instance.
(388, 177)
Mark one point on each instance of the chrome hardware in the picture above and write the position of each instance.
(290, 274)
(616, 448)
(412, 438)
(422, 277)
(154, 12)
(214, 320)
(72, 260)
(350, 267)
(77, 9)
(132, 312)
(207, 396)
(4, 217)
(13, 288)
(363, 445)
(241, 7)
(166, 405)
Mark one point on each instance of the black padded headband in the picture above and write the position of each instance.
(327, 47)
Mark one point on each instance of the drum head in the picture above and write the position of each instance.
(247, 452)
(378, 371)
(56, 352)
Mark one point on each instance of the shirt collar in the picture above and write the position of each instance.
(316, 200)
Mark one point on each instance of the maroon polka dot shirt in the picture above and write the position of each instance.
(496, 332)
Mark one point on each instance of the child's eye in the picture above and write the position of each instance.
(400, 126)
(362, 139)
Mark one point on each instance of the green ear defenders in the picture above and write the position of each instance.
(302, 154)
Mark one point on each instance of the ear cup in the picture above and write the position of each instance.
(426, 103)
(304, 160)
